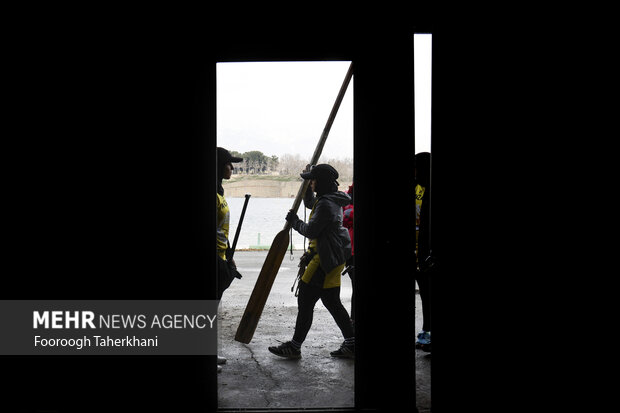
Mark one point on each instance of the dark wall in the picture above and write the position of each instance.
(112, 180)
(111, 174)
(383, 99)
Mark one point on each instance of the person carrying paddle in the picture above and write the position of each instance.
(224, 171)
(225, 276)
(328, 250)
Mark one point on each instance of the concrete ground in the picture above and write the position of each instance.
(255, 378)
(422, 366)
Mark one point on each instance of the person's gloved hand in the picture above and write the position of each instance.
(292, 217)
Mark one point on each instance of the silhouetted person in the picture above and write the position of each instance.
(328, 250)
(347, 222)
(423, 248)
(225, 276)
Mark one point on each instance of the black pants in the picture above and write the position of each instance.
(424, 282)
(307, 299)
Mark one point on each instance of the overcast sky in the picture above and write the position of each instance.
(282, 107)
(422, 83)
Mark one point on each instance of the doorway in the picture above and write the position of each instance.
(272, 114)
(423, 108)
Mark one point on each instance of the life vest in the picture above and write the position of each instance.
(332, 279)
(419, 197)
(223, 223)
(347, 222)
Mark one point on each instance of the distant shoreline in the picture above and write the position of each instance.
(268, 187)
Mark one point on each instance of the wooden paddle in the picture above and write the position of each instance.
(267, 276)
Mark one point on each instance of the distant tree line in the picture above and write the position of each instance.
(257, 163)
(294, 164)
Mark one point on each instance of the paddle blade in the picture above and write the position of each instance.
(267, 276)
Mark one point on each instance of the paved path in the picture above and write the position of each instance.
(253, 377)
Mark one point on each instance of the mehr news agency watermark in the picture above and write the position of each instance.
(88, 319)
(116, 327)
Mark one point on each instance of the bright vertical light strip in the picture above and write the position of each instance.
(422, 55)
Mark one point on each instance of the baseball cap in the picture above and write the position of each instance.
(321, 172)
(224, 157)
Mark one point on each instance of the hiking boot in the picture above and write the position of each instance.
(286, 350)
(424, 341)
(345, 351)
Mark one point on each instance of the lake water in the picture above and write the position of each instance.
(264, 216)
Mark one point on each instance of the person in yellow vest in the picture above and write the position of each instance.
(225, 276)
(328, 250)
(224, 171)
(423, 248)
